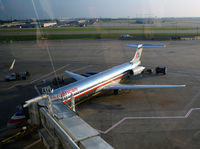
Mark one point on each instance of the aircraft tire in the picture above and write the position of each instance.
(116, 92)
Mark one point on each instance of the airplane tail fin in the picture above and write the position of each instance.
(139, 48)
(12, 65)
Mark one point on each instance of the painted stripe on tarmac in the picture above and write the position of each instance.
(37, 90)
(152, 117)
(32, 144)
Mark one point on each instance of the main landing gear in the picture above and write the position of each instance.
(116, 92)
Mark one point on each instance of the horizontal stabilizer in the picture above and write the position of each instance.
(141, 86)
(145, 45)
(75, 75)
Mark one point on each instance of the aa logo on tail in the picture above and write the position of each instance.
(137, 55)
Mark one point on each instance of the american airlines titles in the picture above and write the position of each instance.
(65, 93)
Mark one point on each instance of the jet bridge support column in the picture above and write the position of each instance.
(73, 103)
(58, 129)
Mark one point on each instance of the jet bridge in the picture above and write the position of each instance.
(60, 127)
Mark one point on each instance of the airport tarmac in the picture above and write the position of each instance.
(151, 118)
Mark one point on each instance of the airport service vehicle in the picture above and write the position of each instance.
(162, 70)
(147, 71)
(17, 76)
(126, 36)
(106, 80)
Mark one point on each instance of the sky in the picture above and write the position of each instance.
(60, 9)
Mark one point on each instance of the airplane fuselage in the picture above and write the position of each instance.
(94, 83)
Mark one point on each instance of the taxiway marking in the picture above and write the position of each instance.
(16, 85)
(37, 90)
(143, 118)
(32, 144)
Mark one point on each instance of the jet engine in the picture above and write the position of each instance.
(137, 70)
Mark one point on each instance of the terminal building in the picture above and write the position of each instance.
(28, 24)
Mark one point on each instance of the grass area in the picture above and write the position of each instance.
(95, 29)
(85, 36)
(17, 37)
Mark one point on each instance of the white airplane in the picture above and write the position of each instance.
(106, 80)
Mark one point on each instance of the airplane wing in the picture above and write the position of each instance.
(140, 86)
(75, 75)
